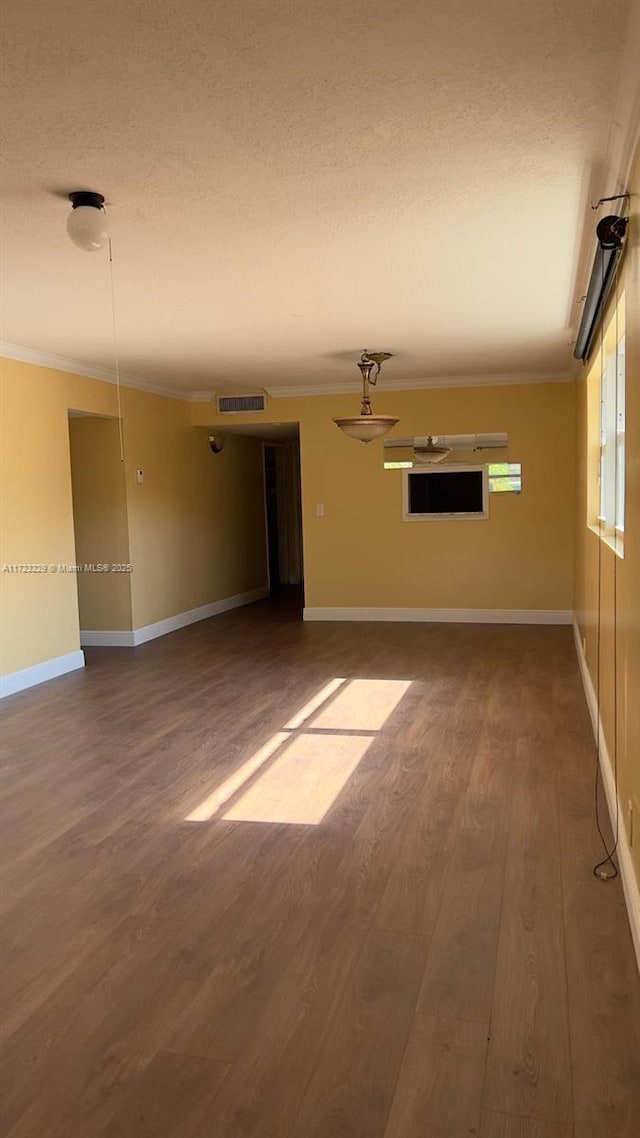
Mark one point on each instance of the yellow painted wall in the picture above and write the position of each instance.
(361, 553)
(596, 560)
(39, 611)
(100, 523)
(196, 525)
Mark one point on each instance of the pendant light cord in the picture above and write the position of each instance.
(116, 357)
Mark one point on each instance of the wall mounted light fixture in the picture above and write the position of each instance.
(367, 426)
(611, 234)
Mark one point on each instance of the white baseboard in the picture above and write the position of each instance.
(106, 638)
(182, 619)
(446, 616)
(630, 884)
(39, 673)
(114, 638)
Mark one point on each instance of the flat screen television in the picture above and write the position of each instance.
(445, 492)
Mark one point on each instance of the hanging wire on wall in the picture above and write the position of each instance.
(116, 355)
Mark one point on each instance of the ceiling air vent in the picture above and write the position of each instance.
(240, 404)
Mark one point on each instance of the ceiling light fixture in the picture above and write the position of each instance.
(430, 451)
(367, 426)
(87, 223)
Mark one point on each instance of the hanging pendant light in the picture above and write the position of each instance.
(367, 426)
(87, 223)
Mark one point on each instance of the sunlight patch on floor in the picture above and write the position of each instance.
(317, 701)
(320, 748)
(303, 782)
(236, 781)
(363, 705)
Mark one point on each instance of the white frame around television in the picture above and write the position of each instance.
(432, 470)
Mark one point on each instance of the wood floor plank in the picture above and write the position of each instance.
(295, 1014)
(96, 1030)
(351, 1088)
(44, 945)
(439, 1090)
(238, 963)
(459, 977)
(487, 799)
(171, 1098)
(289, 957)
(528, 1068)
(601, 975)
(413, 890)
(506, 1126)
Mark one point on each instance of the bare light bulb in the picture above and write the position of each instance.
(87, 223)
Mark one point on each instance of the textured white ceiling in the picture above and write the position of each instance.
(290, 182)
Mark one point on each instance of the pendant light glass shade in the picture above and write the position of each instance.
(366, 427)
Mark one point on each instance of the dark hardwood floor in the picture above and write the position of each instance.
(381, 921)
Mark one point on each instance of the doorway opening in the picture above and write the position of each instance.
(283, 514)
(281, 486)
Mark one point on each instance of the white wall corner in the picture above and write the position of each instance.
(39, 673)
(443, 616)
(630, 885)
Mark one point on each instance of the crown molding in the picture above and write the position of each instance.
(91, 371)
(107, 375)
(499, 380)
(197, 396)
